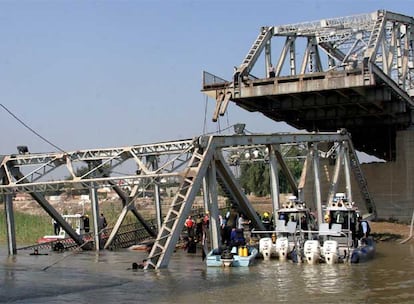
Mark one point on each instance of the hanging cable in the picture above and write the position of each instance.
(228, 121)
(30, 129)
(205, 116)
(218, 132)
(249, 132)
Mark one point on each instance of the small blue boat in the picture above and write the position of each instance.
(227, 258)
(364, 252)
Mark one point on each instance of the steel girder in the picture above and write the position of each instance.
(38, 166)
(189, 161)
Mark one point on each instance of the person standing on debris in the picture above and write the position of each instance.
(363, 228)
(199, 227)
(86, 223)
(271, 71)
(266, 221)
(231, 222)
(223, 221)
(189, 224)
(102, 223)
(56, 227)
(206, 221)
(242, 221)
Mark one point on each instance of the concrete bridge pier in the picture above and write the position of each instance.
(391, 183)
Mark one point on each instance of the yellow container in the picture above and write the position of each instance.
(241, 251)
(245, 251)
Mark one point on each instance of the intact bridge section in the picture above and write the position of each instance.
(354, 72)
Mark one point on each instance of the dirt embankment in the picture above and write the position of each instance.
(386, 231)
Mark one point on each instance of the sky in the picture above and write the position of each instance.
(101, 74)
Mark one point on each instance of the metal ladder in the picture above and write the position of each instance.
(254, 52)
(373, 44)
(376, 31)
(180, 208)
(362, 182)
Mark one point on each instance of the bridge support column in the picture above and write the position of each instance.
(95, 215)
(274, 178)
(318, 200)
(11, 232)
(391, 183)
(347, 169)
(212, 204)
(157, 196)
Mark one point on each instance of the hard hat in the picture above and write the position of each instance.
(265, 214)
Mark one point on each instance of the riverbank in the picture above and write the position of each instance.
(387, 231)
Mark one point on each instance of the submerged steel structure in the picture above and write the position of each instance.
(194, 164)
(354, 72)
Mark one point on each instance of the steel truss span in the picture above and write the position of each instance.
(201, 163)
(354, 72)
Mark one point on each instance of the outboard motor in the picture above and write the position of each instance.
(312, 251)
(227, 258)
(265, 247)
(282, 248)
(330, 251)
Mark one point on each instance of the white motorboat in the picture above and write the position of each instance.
(294, 223)
(338, 233)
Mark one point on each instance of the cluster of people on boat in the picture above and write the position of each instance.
(196, 229)
(232, 227)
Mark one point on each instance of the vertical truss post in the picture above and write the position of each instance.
(212, 204)
(274, 177)
(292, 52)
(157, 195)
(11, 231)
(335, 176)
(95, 214)
(268, 56)
(347, 169)
(315, 162)
(206, 195)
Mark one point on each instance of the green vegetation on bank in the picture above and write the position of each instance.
(28, 227)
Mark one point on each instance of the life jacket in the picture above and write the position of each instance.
(189, 223)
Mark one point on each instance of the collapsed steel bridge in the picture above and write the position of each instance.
(193, 164)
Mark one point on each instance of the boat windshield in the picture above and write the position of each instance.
(347, 219)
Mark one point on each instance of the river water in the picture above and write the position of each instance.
(104, 277)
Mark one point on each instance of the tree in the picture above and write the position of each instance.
(255, 177)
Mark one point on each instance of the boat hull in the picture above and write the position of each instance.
(365, 252)
(215, 258)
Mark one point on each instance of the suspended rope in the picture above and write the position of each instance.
(30, 129)
(205, 116)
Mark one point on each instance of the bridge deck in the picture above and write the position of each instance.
(365, 105)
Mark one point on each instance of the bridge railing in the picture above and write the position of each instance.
(212, 81)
